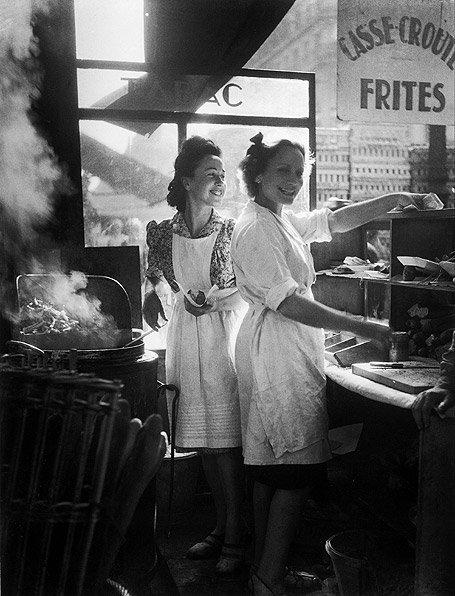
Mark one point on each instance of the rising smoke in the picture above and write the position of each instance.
(29, 174)
(28, 167)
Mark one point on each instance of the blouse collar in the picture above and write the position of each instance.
(180, 228)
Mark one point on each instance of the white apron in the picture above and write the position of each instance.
(199, 355)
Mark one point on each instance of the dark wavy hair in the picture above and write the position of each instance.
(192, 151)
(257, 159)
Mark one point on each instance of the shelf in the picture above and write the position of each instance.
(430, 215)
(443, 286)
(360, 275)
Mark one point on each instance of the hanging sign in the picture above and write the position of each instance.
(396, 61)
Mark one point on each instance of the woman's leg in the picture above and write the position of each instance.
(231, 474)
(212, 474)
(283, 521)
(262, 498)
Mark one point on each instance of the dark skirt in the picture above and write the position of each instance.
(290, 476)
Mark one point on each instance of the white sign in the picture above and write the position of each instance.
(396, 61)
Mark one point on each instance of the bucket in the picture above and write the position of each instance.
(186, 473)
(351, 553)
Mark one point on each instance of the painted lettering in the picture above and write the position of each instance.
(435, 47)
(423, 94)
(440, 97)
(365, 36)
(409, 88)
(214, 99)
(359, 48)
(344, 49)
(428, 34)
(382, 93)
(396, 95)
(387, 26)
(411, 31)
(415, 27)
(365, 89)
(227, 95)
(376, 31)
(401, 29)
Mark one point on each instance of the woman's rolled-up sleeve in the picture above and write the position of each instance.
(259, 255)
(313, 226)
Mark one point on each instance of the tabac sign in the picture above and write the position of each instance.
(396, 61)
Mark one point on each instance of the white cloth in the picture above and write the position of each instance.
(280, 363)
(200, 355)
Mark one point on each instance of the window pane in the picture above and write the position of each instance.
(125, 173)
(234, 141)
(107, 30)
(258, 96)
(99, 88)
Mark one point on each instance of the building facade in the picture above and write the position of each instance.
(353, 161)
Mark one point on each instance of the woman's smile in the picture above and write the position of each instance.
(288, 192)
(207, 185)
(282, 180)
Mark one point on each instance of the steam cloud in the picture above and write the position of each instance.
(28, 167)
(58, 305)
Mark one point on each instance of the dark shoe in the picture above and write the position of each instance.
(231, 561)
(209, 548)
(302, 580)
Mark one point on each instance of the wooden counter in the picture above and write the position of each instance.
(391, 435)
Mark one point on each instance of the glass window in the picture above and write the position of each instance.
(260, 96)
(100, 88)
(126, 169)
(107, 30)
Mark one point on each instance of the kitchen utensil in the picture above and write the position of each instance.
(139, 338)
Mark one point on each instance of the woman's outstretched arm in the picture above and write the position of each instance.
(357, 214)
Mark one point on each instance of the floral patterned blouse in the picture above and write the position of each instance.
(159, 241)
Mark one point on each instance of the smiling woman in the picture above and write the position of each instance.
(191, 252)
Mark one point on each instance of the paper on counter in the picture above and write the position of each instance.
(344, 439)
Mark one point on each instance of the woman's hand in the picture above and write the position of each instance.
(435, 399)
(379, 335)
(410, 198)
(151, 309)
(198, 311)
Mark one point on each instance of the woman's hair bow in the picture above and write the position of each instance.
(257, 144)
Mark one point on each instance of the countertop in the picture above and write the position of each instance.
(367, 388)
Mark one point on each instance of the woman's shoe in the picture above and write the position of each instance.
(209, 548)
(302, 581)
(232, 559)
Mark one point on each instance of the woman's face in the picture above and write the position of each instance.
(208, 185)
(282, 179)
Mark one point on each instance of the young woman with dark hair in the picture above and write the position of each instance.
(280, 345)
(192, 252)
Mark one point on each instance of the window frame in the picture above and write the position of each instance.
(182, 119)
